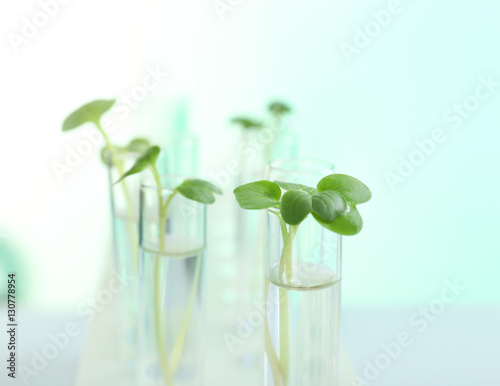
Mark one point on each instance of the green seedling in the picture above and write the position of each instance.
(279, 108)
(137, 145)
(247, 123)
(92, 113)
(277, 113)
(193, 189)
(279, 118)
(333, 204)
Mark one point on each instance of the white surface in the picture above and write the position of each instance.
(100, 365)
(34, 333)
(460, 348)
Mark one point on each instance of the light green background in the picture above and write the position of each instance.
(440, 223)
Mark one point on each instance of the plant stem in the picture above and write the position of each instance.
(160, 337)
(170, 367)
(274, 362)
(286, 262)
(284, 334)
(179, 342)
(128, 201)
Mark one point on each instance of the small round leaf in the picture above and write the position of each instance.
(196, 192)
(258, 195)
(347, 224)
(90, 112)
(328, 205)
(204, 184)
(351, 188)
(295, 206)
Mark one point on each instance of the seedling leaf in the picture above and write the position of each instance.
(247, 123)
(347, 224)
(198, 190)
(90, 112)
(328, 205)
(295, 206)
(147, 159)
(258, 195)
(279, 108)
(351, 188)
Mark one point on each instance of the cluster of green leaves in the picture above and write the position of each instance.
(332, 203)
(275, 108)
(193, 189)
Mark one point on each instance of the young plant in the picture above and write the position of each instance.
(278, 123)
(193, 189)
(92, 112)
(274, 121)
(279, 109)
(137, 145)
(247, 123)
(333, 204)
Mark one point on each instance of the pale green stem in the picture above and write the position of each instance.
(286, 261)
(274, 362)
(181, 337)
(284, 335)
(128, 201)
(170, 367)
(160, 336)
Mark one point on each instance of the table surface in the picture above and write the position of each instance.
(461, 347)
